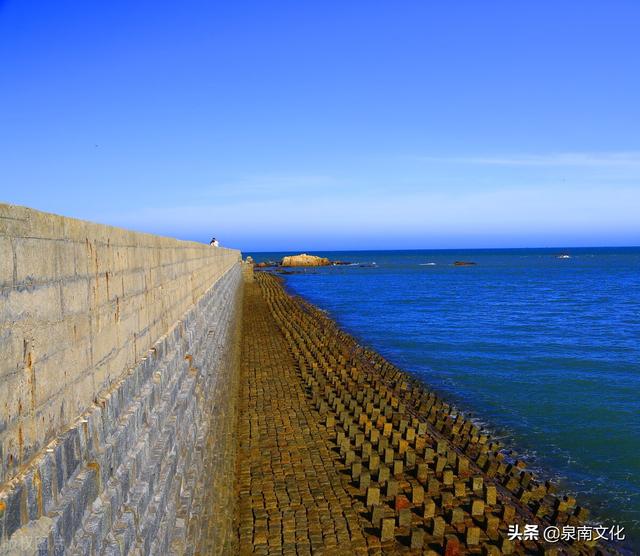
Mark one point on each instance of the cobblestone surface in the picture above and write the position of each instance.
(342, 453)
(293, 495)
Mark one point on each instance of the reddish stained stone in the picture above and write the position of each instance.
(402, 502)
(453, 546)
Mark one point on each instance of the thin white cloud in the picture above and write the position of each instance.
(502, 211)
(575, 159)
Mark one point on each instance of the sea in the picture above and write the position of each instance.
(541, 346)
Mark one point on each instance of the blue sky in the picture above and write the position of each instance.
(328, 125)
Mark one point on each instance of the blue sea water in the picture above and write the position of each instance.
(545, 351)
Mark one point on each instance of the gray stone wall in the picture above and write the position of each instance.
(123, 476)
(79, 304)
(123, 479)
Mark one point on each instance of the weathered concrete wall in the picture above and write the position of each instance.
(114, 347)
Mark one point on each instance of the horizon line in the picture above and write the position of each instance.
(446, 249)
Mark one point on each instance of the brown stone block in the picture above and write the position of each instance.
(392, 488)
(477, 485)
(356, 469)
(398, 467)
(460, 488)
(456, 516)
(429, 509)
(508, 514)
(433, 487)
(376, 516)
(422, 472)
(429, 454)
(477, 508)
(388, 528)
(410, 458)
(383, 474)
(506, 546)
(374, 462)
(417, 495)
(402, 446)
(447, 499)
(400, 502)
(447, 477)
(493, 522)
(438, 527)
(473, 536)
(417, 539)
(404, 517)
(490, 494)
(374, 437)
(373, 496)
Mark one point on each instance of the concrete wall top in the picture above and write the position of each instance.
(80, 303)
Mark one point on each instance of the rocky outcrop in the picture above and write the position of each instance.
(305, 260)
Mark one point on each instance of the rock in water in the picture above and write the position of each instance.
(305, 260)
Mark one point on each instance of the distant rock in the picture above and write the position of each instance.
(463, 263)
(305, 260)
(266, 264)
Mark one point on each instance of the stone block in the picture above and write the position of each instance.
(392, 488)
(356, 469)
(417, 539)
(388, 528)
(433, 487)
(383, 474)
(401, 502)
(452, 546)
(376, 516)
(404, 517)
(477, 485)
(398, 467)
(490, 495)
(364, 480)
(422, 472)
(438, 527)
(429, 508)
(456, 516)
(373, 496)
(473, 536)
(477, 508)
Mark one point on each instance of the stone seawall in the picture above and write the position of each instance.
(118, 366)
(340, 452)
(79, 304)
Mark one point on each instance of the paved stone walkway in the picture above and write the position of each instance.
(342, 453)
(292, 490)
